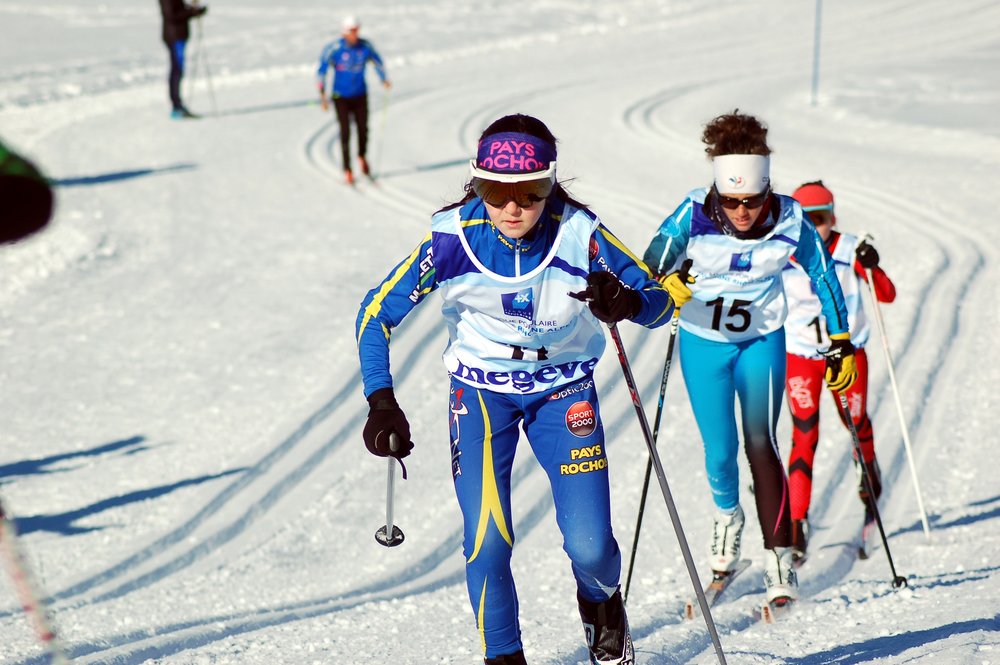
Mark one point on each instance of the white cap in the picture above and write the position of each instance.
(349, 23)
(741, 174)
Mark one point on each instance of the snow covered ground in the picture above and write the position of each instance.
(181, 401)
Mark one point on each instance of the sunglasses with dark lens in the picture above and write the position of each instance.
(525, 193)
(820, 217)
(755, 201)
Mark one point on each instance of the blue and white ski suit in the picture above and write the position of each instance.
(520, 352)
(348, 63)
(732, 341)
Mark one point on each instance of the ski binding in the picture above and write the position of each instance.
(720, 582)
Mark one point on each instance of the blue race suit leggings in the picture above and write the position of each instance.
(566, 436)
(715, 373)
(176, 72)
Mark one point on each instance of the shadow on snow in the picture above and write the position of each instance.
(64, 523)
(116, 176)
(260, 108)
(894, 645)
(43, 466)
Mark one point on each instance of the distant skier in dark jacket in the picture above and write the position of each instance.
(348, 56)
(176, 15)
(25, 197)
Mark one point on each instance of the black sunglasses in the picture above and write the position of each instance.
(820, 217)
(755, 201)
(525, 193)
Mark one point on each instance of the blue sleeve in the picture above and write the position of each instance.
(671, 240)
(815, 259)
(616, 258)
(385, 307)
(325, 58)
(377, 59)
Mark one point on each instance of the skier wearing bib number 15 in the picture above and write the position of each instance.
(521, 354)
(806, 340)
(739, 235)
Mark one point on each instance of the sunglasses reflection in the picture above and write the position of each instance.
(524, 194)
(755, 201)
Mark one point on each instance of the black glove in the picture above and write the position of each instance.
(867, 256)
(199, 11)
(384, 419)
(608, 298)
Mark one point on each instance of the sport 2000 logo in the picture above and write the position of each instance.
(581, 419)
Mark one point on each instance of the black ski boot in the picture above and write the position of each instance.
(875, 477)
(606, 628)
(507, 659)
(800, 540)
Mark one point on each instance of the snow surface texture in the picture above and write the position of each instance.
(182, 411)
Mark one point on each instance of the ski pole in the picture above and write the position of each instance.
(27, 590)
(674, 321)
(381, 132)
(845, 411)
(208, 69)
(665, 488)
(192, 79)
(390, 535)
(895, 394)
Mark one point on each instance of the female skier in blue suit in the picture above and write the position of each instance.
(521, 351)
(740, 235)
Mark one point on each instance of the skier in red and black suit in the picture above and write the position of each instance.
(806, 340)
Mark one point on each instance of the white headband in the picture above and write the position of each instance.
(741, 174)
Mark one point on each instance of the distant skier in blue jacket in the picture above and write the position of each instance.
(521, 352)
(348, 56)
(740, 235)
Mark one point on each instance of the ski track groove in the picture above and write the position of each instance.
(404, 584)
(320, 149)
(954, 277)
(135, 647)
(260, 473)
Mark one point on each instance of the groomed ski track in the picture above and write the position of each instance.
(312, 462)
